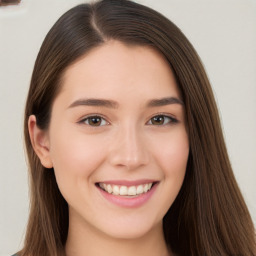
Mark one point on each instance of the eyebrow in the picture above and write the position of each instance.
(114, 104)
(94, 102)
(164, 102)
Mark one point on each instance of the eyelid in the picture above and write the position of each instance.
(82, 120)
(174, 120)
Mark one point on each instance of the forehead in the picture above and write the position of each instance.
(116, 68)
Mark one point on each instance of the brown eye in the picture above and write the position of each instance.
(157, 120)
(162, 120)
(95, 121)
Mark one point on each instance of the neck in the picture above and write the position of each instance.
(86, 240)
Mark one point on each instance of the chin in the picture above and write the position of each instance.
(132, 230)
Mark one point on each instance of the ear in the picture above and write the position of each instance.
(40, 142)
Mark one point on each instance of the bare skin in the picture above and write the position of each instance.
(118, 121)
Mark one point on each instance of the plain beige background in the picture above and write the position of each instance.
(222, 31)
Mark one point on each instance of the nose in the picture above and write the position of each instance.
(128, 149)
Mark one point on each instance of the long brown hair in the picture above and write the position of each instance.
(209, 216)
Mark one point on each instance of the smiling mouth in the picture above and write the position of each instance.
(121, 190)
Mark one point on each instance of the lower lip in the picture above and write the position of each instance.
(129, 202)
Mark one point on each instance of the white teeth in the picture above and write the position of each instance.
(132, 191)
(124, 190)
(140, 190)
(115, 190)
(109, 189)
(145, 188)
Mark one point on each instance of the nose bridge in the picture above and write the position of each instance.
(129, 147)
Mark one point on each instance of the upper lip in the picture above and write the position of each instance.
(128, 182)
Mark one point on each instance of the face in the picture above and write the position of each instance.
(117, 140)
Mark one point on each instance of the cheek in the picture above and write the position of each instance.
(171, 156)
(75, 157)
(173, 153)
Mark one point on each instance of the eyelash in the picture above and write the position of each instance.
(87, 119)
(171, 121)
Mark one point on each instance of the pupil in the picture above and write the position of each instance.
(158, 120)
(95, 121)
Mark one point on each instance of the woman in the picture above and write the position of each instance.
(124, 142)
